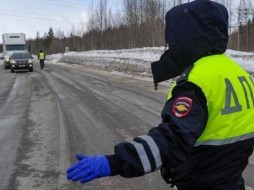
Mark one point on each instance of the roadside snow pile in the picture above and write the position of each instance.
(135, 62)
(54, 58)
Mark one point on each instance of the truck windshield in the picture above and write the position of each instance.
(15, 47)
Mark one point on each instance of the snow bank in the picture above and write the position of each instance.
(135, 62)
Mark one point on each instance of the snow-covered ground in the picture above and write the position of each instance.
(134, 62)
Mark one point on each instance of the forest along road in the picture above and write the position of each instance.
(47, 116)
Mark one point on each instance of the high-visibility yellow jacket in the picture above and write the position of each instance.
(41, 56)
(229, 91)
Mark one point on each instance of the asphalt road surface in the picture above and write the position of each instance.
(47, 116)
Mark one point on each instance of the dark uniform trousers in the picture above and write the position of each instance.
(42, 63)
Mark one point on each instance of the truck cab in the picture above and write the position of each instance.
(12, 42)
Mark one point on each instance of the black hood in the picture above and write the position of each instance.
(193, 30)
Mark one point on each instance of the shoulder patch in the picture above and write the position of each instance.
(182, 106)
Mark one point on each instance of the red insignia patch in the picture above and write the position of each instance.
(182, 106)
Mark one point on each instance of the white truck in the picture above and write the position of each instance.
(12, 42)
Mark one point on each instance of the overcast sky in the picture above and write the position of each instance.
(30, 16)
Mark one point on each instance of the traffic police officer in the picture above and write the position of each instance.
(41, 57)
(207, 131)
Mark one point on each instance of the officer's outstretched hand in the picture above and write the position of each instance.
(89, 168)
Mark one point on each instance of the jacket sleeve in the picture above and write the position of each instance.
(184, 117)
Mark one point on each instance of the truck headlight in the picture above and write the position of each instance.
(29, 61)
(7, 59)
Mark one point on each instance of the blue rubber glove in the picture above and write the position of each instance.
(89, 168)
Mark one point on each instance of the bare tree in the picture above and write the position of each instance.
(72, 35)
(101, 19)
(81, 34)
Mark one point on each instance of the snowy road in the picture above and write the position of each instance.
(48, 116)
